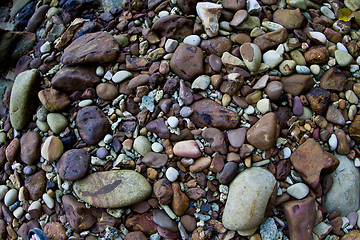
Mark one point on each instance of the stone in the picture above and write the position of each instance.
(141, 222)
(264, 133)
(239, 17)
(163, 191)
(36, 185)
(10, 197)
(173, 26)
(234, 5)
(52, 149)
(237, 137)
(319, 99)
(298, 108)
(251, 195)
(135, 236)
(188, 148)
(333, 79)
(209, 113)
(301, 217)
(187, 61)
(107, 91)
(78, 78)
(180, 202)
(201, 82)
(352, 5)
(251, 55)
(142, 145)
(139, 80)
(193, 40)
(351, 235)
(209, 14)
(272, 58)
(268, 229)
(55, 230)
(343, 58)
(343, 194)
(98, 47)
(228, 173)
(216, 45)
(334, 115)
(287, 67)
(317, 55)
(274, 90)
(73, 164)
(290, 19)
(30, 144)
(297, 84)
(23, 93)
(113, 189)
(57, 122)
(163, 220)
(155, 160)
(158, 127)
(200, 164)
(354, 129)
(215, 62)
(121, 76)
(309, 159)
(298, 190)
(93, 124)
(216, 139)
(271, 40)
(53, 100)
(37, 18)
(264, 105)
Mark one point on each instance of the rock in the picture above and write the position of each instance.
(98, 47)
(22, 102)
(317, 55)
(209, 113)
(57, 122)
(107, 91)
(163, 191)
(287, 67)
(155, 160)
(121, 76)
(217, 45)
(216, 139)
(333, 79)
(141, 222)
(71, 79)
(93, 124)
(264, 133)
(36, 185)
(354, 129)
(142, 145)
(298, 190)
(11, 197)
(37, 18)
(12, 150)
(268, 230)
(301, 217)
(52, 149)
(180, 202)
(113, 189)
(352, 5)
(309, 159)
(173, 26)
(228, 173)
(193, 40)
(251, 54)
(251, 194)
(200, 164)
(234, 5)
(290, 19)
(319, 99)
(55, 230)
(335, 116)
(343, 58)
(351, 235)
(209, 14)
(30, 144)
(158, 127)
(139, 80)
(298, 108)
(188, 148)
(187, 61)
(135, 236)
(201, 82)
(73, 164)
(271, 40)
(237, 137)
(297, 84)
(79, 217)
(239, 17)
(53, 100)
(274, 90)
(272, 58)
(163, 220)
(343, 195)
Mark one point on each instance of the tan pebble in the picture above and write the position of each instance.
(143, 131)
(256, 236)
(23, 194)
(248, 162)
(307, 127)
(226, 99)
(127, 144)
(200, 164)
(151, 174)
(356, 89)
(342, 103)
(52, 149)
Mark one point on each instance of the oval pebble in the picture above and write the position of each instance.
(18, 212)
(10, 197)
(157, 147)
(49, 201)
(172, 174)
(100, 71)
(173, 121)
(333, 142)
(102, 152)
(121, 76)
(3, 190)
(108, 138)
(302, 69)
(298, 190)
(193, 40)
(85, 103)
(287, 152)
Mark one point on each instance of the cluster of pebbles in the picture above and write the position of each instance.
(180, 119)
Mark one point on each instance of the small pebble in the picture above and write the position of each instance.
(10, 197)
(298, 190)
(3, 190)
(333, 142)
(173, 121)
(157, 147)
(102, 152)
(85, 103)
(46, 47)
(171, 45)
(193, 40)
(315, 69)
(100, 71)
(49, 201)
(108, 138)
(171, 174)
(18, 212)
(186, 112)
(287, 152)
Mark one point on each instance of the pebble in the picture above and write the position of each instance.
(287, 67)
(272, 58)
(108, 138)
(201, 82)
(57, 122)
(46, 47)
(171, 45)
(187, 148)
(263, 105)
(49, 201)
(302, 69)
(100, 71)
(173, 121)
(142, 145)
(85, 103)
(3, 190)
(186, 111)
(193, 40)
(298, 190)
(52, 149)
(18, 212)
(351, 97)
(209, 13)
(269, 230)
(327, 12)
(172, 174)
(121, 76)
(343, 58)
(102, 152)
(10, 197)
(157, 147)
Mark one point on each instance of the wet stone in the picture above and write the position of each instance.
(73, 164)
(30, 144)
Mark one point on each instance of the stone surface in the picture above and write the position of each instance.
(30, 144)
(53, 100)
(73, 164)
(23, 93)
(99, 47)
(187, 148)
(216, 45)
(158, 127)
(216, 139)
(317, 55)
(354, 129)
(265, 132)
(113, 189)
(155, 160)
(36, 185)
(297, 84)
(173, 26)
(237, 137)
(57, 122)
(333, 79)
(251, 194)
(209, 13)
(272, 39)
(290, 19)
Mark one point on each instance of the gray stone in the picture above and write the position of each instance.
(57, 122)
(268, 230)
(142, 145)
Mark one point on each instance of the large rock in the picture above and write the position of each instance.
(98, 47)
(173, 26)
(187, 61)
(22, 102)
(354, 129)
(209, 113)
(216, 46)
(297, 84)
(271, 40)
(92, 123)
(344, 193)
(73, 164)
(333, 79)
(252, 194)
(113, 189)
(36, 185)
(209, 14)
(263, 133)
(290, 19)
(71, 79)
(30, 144)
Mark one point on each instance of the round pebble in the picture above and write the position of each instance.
(315, 69)
(100, 71)
(108, 138)
(3, 190)
(49, 201)
(186, 112)
(157, 147)
(46, 47)
(298, 190)
(333, 142)
(173, 121)
(102, 152)
(10, 197)
(263, 105)
(18, 212)
(171, 174)
(287, 152)
(57, 122)
(193, 40)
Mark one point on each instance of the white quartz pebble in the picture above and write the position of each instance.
(193, 40)
(173, 121)
(171, 174)
(18, 212)
(108, 138)
(10, 197)
(157, 147)
(298, 190)
(49, 201)
(287, 152)
(333, 142)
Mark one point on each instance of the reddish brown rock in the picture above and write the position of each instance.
(309, 160)
(73, 164)
(334, 115)
(163, 191)
(158, 127)
(290, 19)
(107, 91)
(274, 90)
(217, 45)
(12, 150)
(188, 222)
(354, 129)
(263, 133)
(301, 216)
(71, 79)
(141, 222)
(343, 147)
(36, 185)
(55, 231)
(297, 84)
(208, 113)
(137, 235)
(216, 139)
(187, 6)
(155, 160)
(271, 40)
(92, 123)
(98, 47)
(173, 26)
(317, 55)
(30, 144)
(53, 100)
(200, 164)
(187, 61)
(180, 202)
(234, 5)
(195, 193)
(333, 80)
(319, 99)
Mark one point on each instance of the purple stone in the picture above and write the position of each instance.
(102, 152)
(353, 217)
(298, 108)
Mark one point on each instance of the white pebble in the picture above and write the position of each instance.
(171, 174)
(263, 105)
(157, 147)
(287, 152)
(18, 212)
(333, 142)
(10, 197)
(108, 138)
(345, 221)
(358, 60)
(201, 82)
(318, 36)
(49, 201)
(357, 162)
(85, 103)
(249, 110)
(340, 46)
(193, 40)
(3, 190)
(315, 69)
(36, 205)
(351, 97)
(327, 12)
(170, 45)
(100, 71)
(108, 75)
(354, 68)
(163, 14)
(173, 121)
(46, 47)
(298, 190)
(121, 76)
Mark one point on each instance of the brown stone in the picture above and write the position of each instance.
(351, 235)
(141, 222)
(343, 147)
(155, 160)
(333, 80)
(200, 164)
(290, 19)
(264, 133)
(98, 47)
(217, 45)
(73, 164)
(12, 150)
(216, 139)
(271, 40)
(354, 129)
(107, 91)
(55, 231)
(136, 64)
(53, 100)
(208, 113)
(274, 90)
(36, 185)
(234, 5)
(163, 191)
(195, 193)
(297, 84)
(30, 144)
(319, 99)
(187, 61)
(334, 115)
(137, 235)
(317, 55)
(180, 202)
(173, 26)
(188, 222)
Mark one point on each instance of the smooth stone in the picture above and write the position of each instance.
(237, 137)
(23, 93)
(264, 105)
(344, 193)
(290, 19)
(318, 37)
(54, 100)
(102, 152)
(155, 160)
(253, 7)
(317, 54)
(10, 197)
(107, 91)
(113, 189)
(327, 12)
(333, 142)
(251, 194)
(251, 54)
(170, 45)
(73, 164)
(173, 26)
(215, 62)
(188, 148)
(343, 58)
(298, 108)
(298, 190)
(57, 122)
(142, 145)
(272, 58)
(49, 201)
(333, 79)
(261, 83)
(334, 115)
(297, 84)
(173, 121)
(171, 174)
(158, 126)
(271, 26)
(162, 219)
(274, 90)
(201, 82)
(315, 69)
(287, 67)
(30, 144)
(302, 69)
(157, 147)
(193, 40)
(121, 76)
(3, 190)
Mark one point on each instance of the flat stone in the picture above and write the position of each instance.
(216, 139)
(36, 185)
(163, 191)
(155, 160)
(317, 55)
(73, 164)
(343, 58)
(333, 79)
(107, 91)
(290, 19)
(30, 144)
(209, 113)
(22, 102)
(354, 129)
(272, 39)
(113, 189)
(216, 45)
(142, 145)
(98, 47)
(53, 100)
(240, 16)
(209, 13)
(297, 84)
(173, 26)
(298, 190)
(251, 194)
(52, 149)
(237, 137)
(188, 148)
(158, 127)
(334, 115)
(57, 122)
